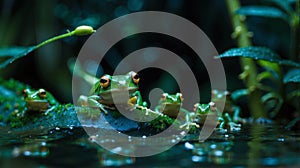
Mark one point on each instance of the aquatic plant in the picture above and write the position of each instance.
(276, 83)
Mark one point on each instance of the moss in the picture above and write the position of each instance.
(13, 85)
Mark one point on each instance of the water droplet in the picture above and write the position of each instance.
(198, 158)
(27, 153)
(188, 145)
(218, 153)
(213, 146)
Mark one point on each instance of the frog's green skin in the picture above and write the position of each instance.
(170, 105)
(119, 86)
(224, 119)
(39, 100)
(229, 108)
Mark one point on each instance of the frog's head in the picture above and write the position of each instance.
(171, 99)
(170, 103)
(117, 85)
(218, 95)
(38, 100)
(205, 108)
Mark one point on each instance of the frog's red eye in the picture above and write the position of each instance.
(196, 107)
(25, 93)
(212, 106)
(163, 97)
(181, 97)
(42, 93)
(105, 81)
(135, 77)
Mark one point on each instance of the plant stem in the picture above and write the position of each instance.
(79, 31)
(248, 65)
(68, 34)
(295, 39)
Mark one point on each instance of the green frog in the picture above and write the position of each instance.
(230, 108)
(171, 104)
(39, 100)
(224, 119)
(119, 86)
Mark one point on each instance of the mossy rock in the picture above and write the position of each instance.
(63, 116)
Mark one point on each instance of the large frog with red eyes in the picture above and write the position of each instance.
(112, 90)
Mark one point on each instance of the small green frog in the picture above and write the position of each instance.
(171, 104)
(119, 86)
(230, 108)
(223, 119)
(39, 100)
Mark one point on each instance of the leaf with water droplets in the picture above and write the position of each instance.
(263, 11)
(292, 76)
(10, 54)
(258, 53)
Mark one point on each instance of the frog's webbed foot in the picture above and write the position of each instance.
(146, 110)
(234, 126)
(188, 125)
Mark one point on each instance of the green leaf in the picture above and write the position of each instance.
(9, 55)
(284, 4)
(263, 11)
(267, 75)
(258, 53)
(292, 76)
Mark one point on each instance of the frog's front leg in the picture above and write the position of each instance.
(92, 101)
(188, 120)
(50, 109)
(236, 115)
(139, 100)
(232, 125)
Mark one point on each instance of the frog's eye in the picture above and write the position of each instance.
(196, 107)
(105, 81)
(135, 77)
(164, 97)
(42, 93)
(25, 94)
(212, 106)
(180, 96)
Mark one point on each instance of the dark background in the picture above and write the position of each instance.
(25, 23)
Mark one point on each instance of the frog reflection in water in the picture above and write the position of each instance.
(120, 86)
(230, 108)
(170, 105)
(224, 120)
(39, 100)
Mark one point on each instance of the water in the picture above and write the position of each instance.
(253, 146)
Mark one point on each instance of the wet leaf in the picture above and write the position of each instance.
(258, 53)
(9, 55)
(284, 4)
(292, 76)
(263, 11)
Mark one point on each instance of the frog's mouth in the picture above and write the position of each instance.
(117, 96)
(37, 105)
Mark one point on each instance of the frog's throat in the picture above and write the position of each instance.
(37, 105)
(106, 97)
